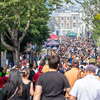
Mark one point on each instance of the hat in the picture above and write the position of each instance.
(91, 68)
(75, 62)
(92, 60)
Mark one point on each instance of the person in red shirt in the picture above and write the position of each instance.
(36, 76)
(23, 62)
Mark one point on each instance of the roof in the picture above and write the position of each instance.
(72, 34)
(53, 43)
(68, 8)
(53, 37)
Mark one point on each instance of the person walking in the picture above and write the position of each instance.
(51, 85)
(12, 90)
(36, 76)
(27, 85)
(72, 75)
(87, 88)
(32, 72)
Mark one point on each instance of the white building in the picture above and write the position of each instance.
(69, 20)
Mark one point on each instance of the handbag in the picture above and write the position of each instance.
(13, 94)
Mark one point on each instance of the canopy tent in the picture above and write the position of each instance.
(52, 43)
(53, 37)
(72, 34)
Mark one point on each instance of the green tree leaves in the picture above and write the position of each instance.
(22, 21)
(90, 10)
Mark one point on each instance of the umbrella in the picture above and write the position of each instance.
(53, 37)
(53, 43)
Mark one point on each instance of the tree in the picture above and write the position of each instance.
(90, 9)
(52, 23)
(16, 18)
(96, 28)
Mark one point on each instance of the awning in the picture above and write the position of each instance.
(72, 34)
(53, 37)
(53, 43)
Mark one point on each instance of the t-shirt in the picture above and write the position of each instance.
(36, 76)
(87, 88)
(24, 63)
(72, 77)
(61, 71)
(52, 84)
(38, 63)
(32, 73)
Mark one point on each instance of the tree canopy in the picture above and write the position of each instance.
(20, 19)
(91, 10)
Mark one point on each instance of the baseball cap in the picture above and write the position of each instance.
(91, 68)
(75, 62)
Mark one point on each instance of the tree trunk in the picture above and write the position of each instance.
(16, 41)
(16, 54)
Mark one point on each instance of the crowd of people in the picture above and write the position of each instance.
(70, 73)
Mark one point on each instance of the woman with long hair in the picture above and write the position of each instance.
(12, 90)
(27, 85)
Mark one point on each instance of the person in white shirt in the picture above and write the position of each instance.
(87, 88)
(38, 62)
(34, 68)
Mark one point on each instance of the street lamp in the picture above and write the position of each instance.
(32, 55)
(31, 52)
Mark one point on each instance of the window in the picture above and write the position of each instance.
(62, 25)
(74, 24)
(67, 18)
(79, 24)
(74, 17)
(67, 25)
(62, 18)
(57, 32)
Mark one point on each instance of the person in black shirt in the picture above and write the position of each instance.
(51, 85)
(12, 90)
(32, 72)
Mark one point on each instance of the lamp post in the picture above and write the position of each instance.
(32, 56)
(31, 52)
